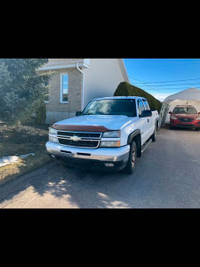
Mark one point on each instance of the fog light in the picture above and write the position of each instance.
(109, 164)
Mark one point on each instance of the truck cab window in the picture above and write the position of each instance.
(146, 105)
(141, 106)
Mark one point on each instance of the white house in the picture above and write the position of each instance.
(76, 81)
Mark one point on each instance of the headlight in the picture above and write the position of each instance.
(174, 118)
(197, 119)
(111, 134)
(52, 131)
(53, 139)
(110, 144)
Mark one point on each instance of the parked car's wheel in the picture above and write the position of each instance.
(132, 157)
(197, 129)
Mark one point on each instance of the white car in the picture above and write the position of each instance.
(108, 134)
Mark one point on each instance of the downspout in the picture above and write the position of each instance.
(83, 83)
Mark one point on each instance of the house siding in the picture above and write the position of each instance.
(56, 110)
(102, 78)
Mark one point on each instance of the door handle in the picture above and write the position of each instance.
(147, 120)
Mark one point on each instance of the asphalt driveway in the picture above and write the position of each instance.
(167, 176)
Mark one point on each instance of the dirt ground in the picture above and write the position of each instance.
(20, 140)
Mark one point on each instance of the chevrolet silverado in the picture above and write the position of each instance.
(110, 133)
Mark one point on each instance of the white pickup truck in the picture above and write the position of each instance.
(110, 133)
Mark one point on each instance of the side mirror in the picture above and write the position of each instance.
(78, 113)
(146, 113)
(199, 113)
(170, 112)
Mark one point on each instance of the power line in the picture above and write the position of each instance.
(175, 85)
(151, 89)
(161, 90)
(146, 85)
(165, 81)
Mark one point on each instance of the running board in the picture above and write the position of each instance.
(144, 147)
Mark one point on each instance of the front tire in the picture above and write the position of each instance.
(154, 135)
(132, 157)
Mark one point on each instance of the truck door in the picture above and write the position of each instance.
(144, 122)
(150, 120)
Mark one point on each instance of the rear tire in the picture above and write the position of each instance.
(132, 157)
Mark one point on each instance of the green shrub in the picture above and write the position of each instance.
(39, 112)
(35, 114)
(22, 90)
(127, 89)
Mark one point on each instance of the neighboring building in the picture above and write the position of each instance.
(76, 81)
(189, 96)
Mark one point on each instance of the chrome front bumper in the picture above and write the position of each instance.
(100, 154)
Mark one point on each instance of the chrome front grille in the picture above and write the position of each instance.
(80, 134)
(79, 139)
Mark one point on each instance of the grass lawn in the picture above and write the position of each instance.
(19, 140)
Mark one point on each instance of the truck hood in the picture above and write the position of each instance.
(94, 123)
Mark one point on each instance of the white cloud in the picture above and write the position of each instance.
(161, 97)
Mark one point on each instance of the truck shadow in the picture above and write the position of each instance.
(83, 188)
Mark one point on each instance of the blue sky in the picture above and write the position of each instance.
(163, 77)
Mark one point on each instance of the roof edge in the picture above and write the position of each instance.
(85, 63)
(123, 69)
(170, 97)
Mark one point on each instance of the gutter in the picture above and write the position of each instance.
(57, 67)
(84, 64)
(83, 87)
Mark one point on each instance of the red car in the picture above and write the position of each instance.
(185, 116)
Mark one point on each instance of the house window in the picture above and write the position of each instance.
(64, 88)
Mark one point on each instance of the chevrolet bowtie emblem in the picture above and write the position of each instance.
(75, 138)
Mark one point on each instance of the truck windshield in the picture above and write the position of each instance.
(185, 110)
(124, 107)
